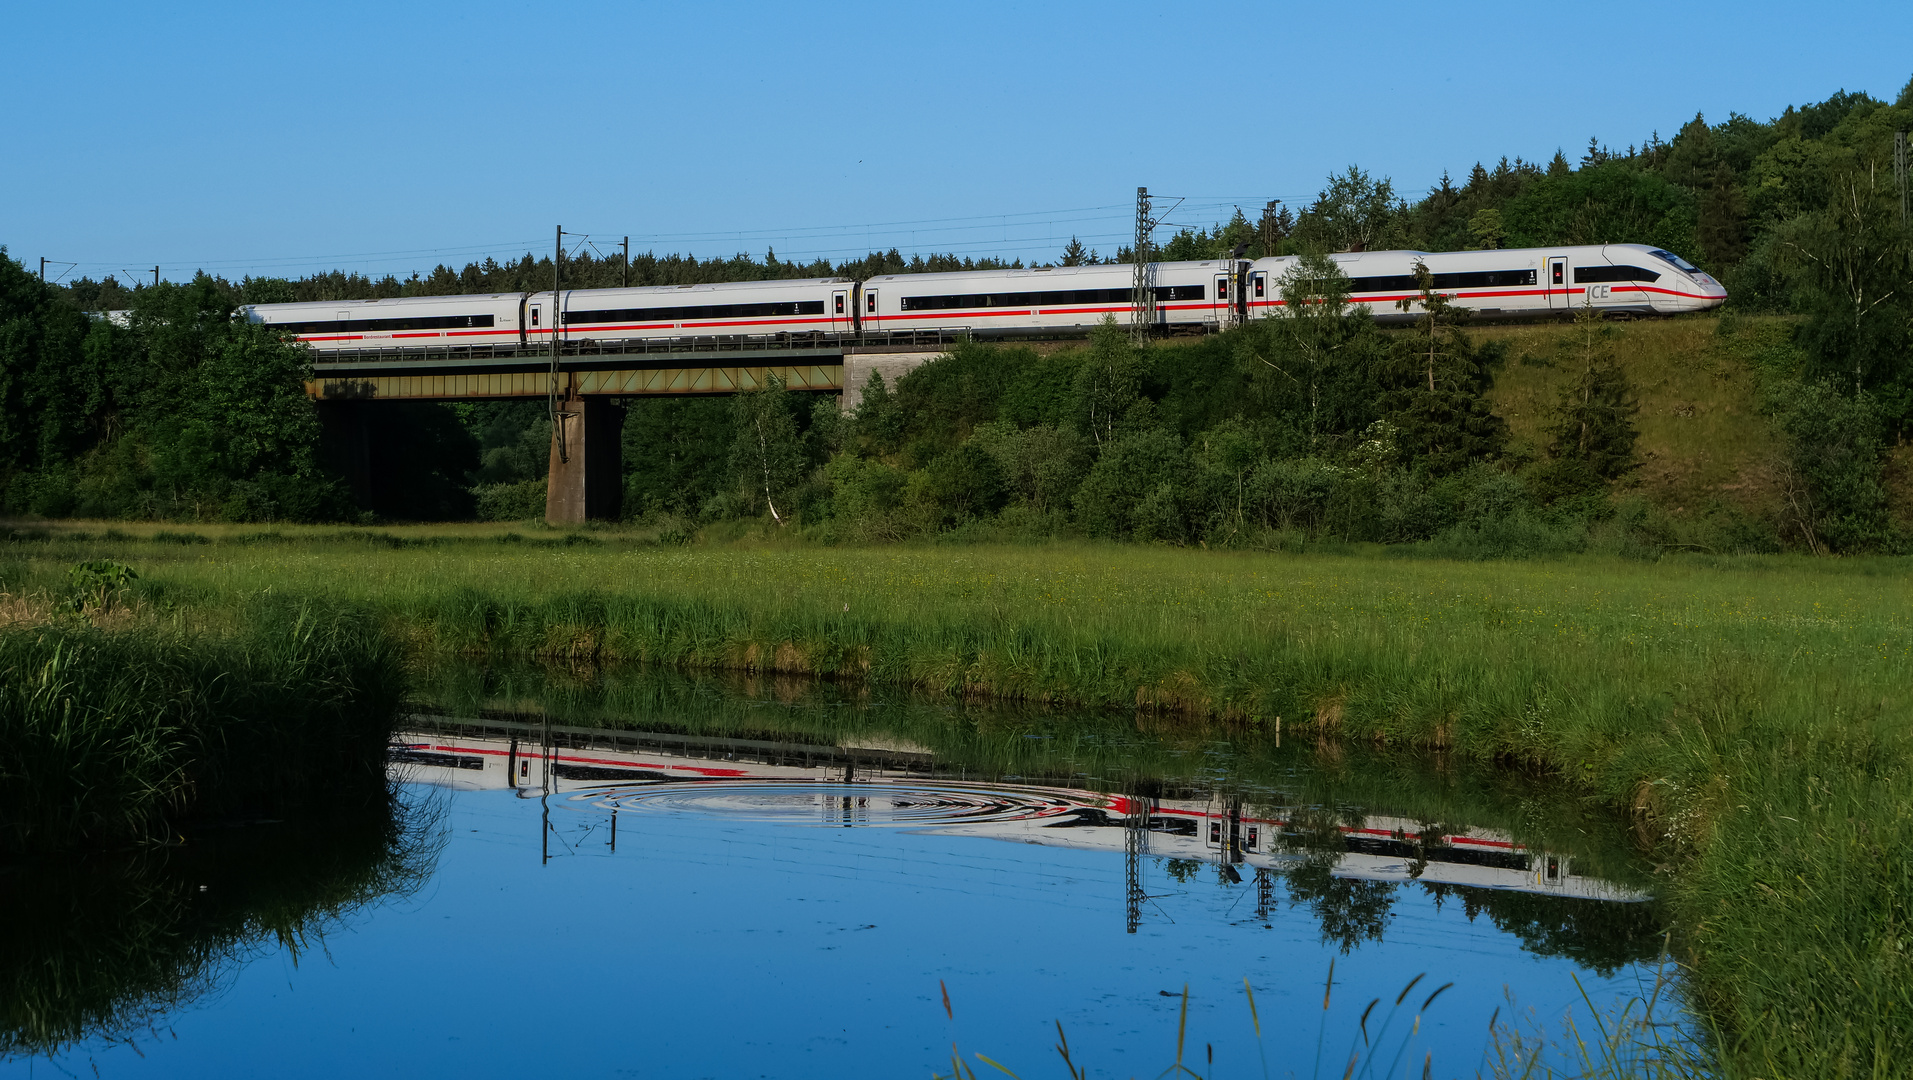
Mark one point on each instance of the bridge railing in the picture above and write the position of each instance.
(650, 346)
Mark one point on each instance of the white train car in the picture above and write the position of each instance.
(1044, 300)
(1631, 279)
(752, 309)
(414, 322)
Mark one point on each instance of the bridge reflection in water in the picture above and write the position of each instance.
(1343, 863)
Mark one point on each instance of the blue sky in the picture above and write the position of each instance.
(279, 139)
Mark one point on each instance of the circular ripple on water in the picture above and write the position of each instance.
(798, 802)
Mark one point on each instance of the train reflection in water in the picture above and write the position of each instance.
(899, 786)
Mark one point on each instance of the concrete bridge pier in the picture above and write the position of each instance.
(892, 364)
(586, 481)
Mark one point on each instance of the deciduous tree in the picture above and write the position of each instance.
(767, 456)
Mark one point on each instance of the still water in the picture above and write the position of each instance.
(633, 874)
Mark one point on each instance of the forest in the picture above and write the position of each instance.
(1314, 427)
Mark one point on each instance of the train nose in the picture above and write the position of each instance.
(1709, 293)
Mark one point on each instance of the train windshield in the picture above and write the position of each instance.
(1679, 263)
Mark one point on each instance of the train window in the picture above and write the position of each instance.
(987, 300)
(1261, 286)
(840, 304)
(1584, 275)
(1558, 268)
(417, 322)
(1679, 263)
(1473, 279)
(1057, 298)
(870, 303)
(534, 315)
(695, 312)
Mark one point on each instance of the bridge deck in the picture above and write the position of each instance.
(590, 369)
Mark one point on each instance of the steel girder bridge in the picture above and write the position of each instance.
(587, 384)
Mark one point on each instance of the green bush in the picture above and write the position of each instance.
(964, 483)
(522, 501)
(1132, 467)
(1833, 477)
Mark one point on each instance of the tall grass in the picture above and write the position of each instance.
(1631, 1038)
(1750, 716)
(122, 735)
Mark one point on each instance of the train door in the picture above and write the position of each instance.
(1555, 275)
(1221, 311)
(1258, 292)
(841, 317)
(870, 309)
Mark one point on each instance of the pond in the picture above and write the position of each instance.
(621, 873)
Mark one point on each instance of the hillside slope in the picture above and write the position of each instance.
(1703, 438)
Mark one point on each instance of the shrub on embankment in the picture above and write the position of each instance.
(124, 735)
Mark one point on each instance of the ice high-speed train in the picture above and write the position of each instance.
(1628, 279)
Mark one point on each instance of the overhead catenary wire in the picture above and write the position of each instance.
(1007, 235)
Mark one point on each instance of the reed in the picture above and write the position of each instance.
(113, 736)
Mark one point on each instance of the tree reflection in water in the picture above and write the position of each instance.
(1604, 936)
(104, 948)
(1321, 793)
(1350, 910)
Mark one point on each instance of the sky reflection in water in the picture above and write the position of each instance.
(714, 943)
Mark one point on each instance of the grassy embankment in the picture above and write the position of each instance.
(1705, 443)
(123, 727)
(1703, 439)
(1749, 715)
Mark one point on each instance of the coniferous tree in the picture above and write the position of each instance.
(1591, 429)
(1439, 407)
